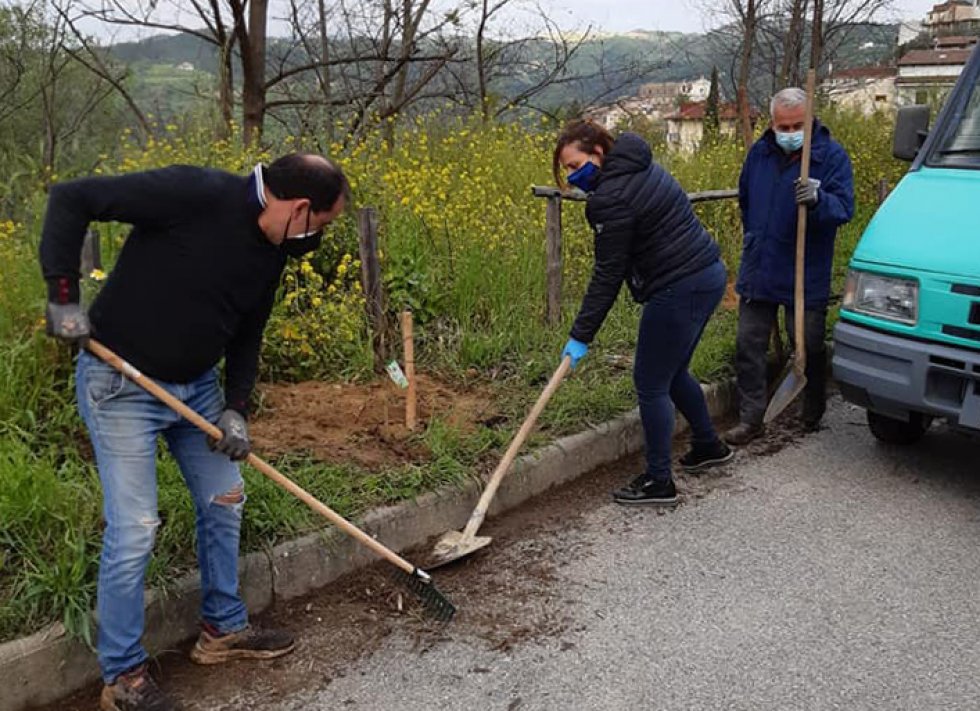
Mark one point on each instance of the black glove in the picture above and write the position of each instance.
(234, 442)
(807, 193)
(67, 322)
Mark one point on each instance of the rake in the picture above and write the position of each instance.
(415, 579)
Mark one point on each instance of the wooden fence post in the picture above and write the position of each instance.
(553, 237)
(91, 253)
(882, 190)
(367, 227)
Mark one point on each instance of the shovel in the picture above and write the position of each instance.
(459, 544)
(795, 379)
(415, 579)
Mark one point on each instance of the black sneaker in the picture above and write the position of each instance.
(646, 491)
(135, 691)
(705, 456)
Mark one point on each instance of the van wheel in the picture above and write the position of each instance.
(892, 431)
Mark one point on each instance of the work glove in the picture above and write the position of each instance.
(575, 349)
(807, 193)
(234, 441)
(67, 322)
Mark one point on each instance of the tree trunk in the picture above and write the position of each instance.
(323, 73)
(789, 74)
(816, 37)
(226, 86)
(481, 65)
(744, 70)
(253, 67)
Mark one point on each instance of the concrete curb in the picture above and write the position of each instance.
(48, 665)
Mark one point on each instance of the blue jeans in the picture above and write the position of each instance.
(670, 328)
(124, 422)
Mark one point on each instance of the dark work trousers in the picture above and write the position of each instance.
(755, 324)
(670, 328)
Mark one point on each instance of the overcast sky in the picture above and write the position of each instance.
(682, 15)
(569, 15)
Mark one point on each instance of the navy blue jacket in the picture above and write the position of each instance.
(769, 211)
(646, 233)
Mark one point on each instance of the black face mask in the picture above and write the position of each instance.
(298, 246)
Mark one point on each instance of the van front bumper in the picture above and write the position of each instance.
(895, 376)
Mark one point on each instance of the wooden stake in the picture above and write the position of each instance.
(367, 221)
(408, 345)
(553, 240)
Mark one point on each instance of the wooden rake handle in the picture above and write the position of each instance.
(480, 512)
(267, 469)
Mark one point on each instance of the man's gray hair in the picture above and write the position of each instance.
(787, 98)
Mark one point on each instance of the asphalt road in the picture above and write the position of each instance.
(834, 574)
(815, 572)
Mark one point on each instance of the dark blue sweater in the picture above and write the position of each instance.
(195, 280)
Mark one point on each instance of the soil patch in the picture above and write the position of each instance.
(729, 301)
(361, 424)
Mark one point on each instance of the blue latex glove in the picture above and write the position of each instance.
(575, 349)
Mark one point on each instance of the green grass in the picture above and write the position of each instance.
(473, 271)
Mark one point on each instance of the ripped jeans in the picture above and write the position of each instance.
(124, 422)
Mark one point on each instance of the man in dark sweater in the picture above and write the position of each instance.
(194, 283)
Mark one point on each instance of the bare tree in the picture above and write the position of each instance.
(748, 12)
(49, 97)
(789, 73)
(219, 23)
(839, 20)
(95, 60)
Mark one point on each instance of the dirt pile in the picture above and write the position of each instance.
(360, 424)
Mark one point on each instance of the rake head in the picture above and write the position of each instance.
(433, 602)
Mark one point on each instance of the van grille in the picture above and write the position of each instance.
(962, 332)
(966, 289)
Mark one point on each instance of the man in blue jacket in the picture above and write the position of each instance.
(769, 193)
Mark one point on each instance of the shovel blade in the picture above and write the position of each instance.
(788, 390)
(454, 545)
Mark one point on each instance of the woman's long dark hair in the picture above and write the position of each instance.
(588, 134)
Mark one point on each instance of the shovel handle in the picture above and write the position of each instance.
(799, 297)
(480, 512)
(265, 468)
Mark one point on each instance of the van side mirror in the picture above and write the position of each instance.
(911, 129)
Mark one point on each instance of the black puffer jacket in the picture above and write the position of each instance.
(645, 233)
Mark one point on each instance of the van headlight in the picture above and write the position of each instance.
(880, 296)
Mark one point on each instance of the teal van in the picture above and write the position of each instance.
(907, 346)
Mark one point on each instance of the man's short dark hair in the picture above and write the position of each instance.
(307, 175)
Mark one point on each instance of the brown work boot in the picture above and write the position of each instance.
(249, 643)
(135, 691)
(743, 433)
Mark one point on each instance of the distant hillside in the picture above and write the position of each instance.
(671, 56)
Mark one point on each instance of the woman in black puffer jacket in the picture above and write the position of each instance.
(647, 235)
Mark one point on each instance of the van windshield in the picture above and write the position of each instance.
(960, 147)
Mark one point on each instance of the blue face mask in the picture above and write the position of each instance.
(584, 178)
(790, 142)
